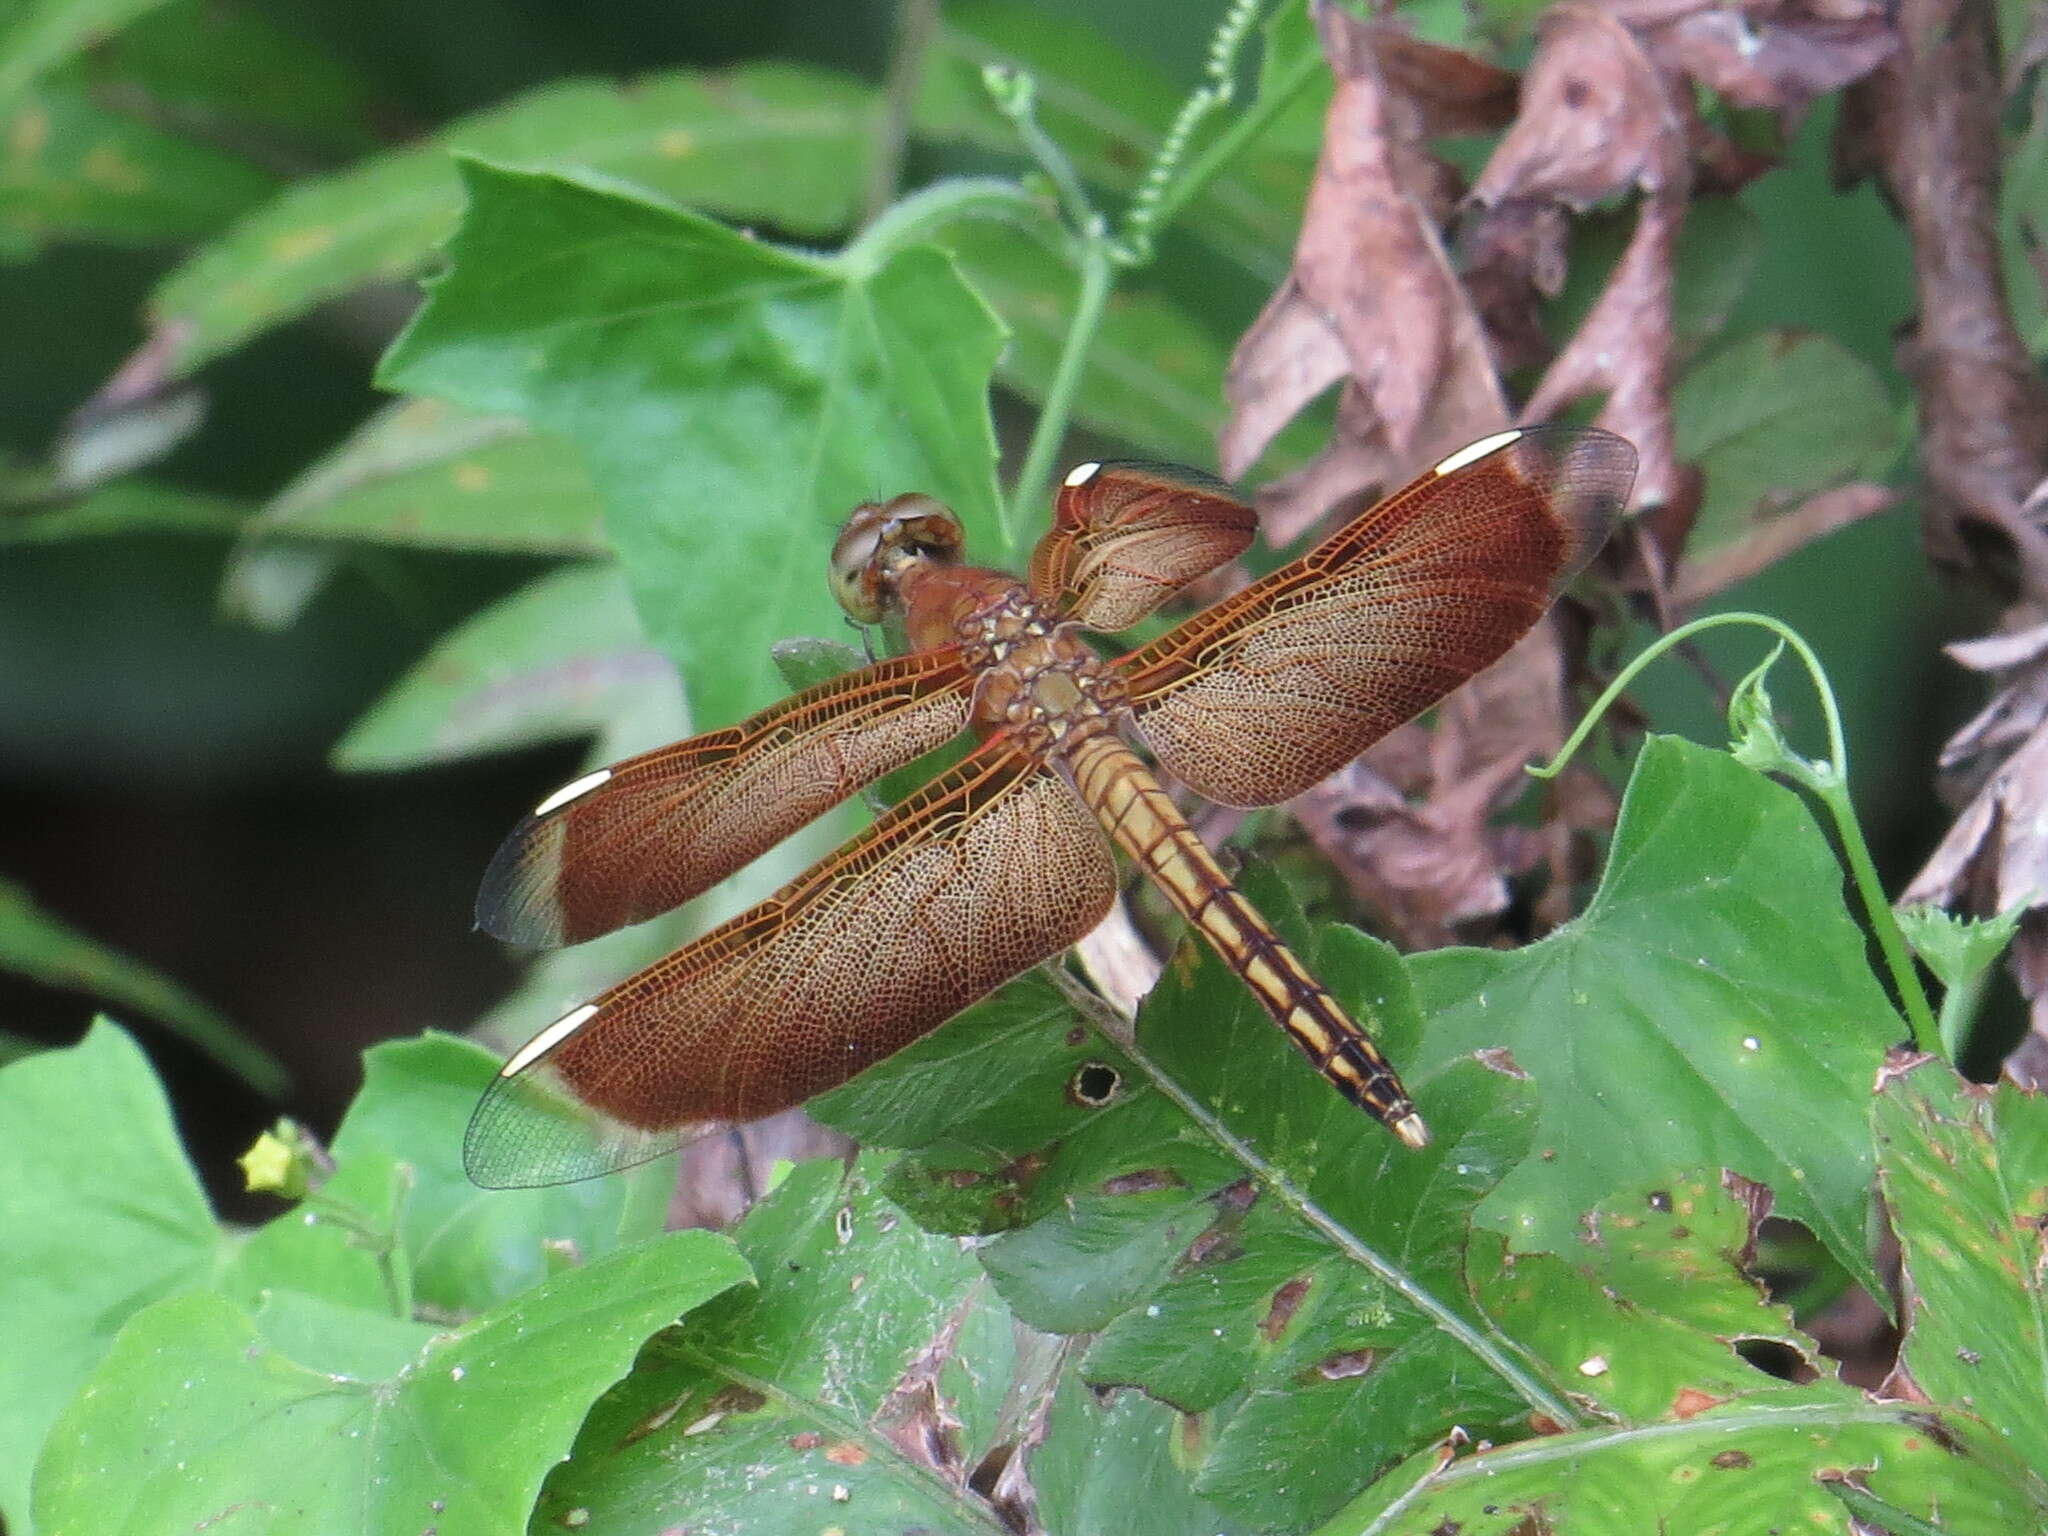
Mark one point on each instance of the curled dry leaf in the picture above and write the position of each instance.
(1768, 55)
(1370, 299)
(1599, 118)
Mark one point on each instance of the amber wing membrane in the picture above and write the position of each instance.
(1261, 696)
(1127, 535)
(988, 870)
(643, 836)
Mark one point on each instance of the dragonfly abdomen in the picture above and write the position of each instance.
(1141, 818)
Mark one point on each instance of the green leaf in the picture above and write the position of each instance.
(401, 1142)
(1713, 1007)
(36, 944)
(561, 658)
(1775, 418)
(103, 1216)
(1964, 1171)
(1640, 1317)
(426, 474)
(1762, 1464)
(1115, 1468)
(733, 400)
(870, 1351)
(122, 507)
(1226, 1220)
(199, 1413)
(75, 170)
(1755, 740)
(773, 142)
(36, 35)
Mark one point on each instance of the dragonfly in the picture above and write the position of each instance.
(1005, 860)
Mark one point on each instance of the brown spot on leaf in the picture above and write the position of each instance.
(1498, 1058)
(808, 1440)
(1734, 1461)
(846, 1454)
(1691, 1401)
(1280, 1310)
(1342, 1367)
(916, 1417)
(1141, 1181)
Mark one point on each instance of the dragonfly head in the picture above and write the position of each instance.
(880, 540)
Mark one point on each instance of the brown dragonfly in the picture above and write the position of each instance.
(1004, 861)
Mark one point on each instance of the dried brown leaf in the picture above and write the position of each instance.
(1624, 352)
(1598, 118)
(1371, 298)
(1776, 65)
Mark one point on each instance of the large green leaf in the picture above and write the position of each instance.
(427, 474)
(75, 170)
(733, 400)
(1713, 1007)
(561, 657)
(204, 1418)
(1965, 1175)
(1774, 418)
(773, 142)
(856, 1388)
(102, 1216)
(39, 945)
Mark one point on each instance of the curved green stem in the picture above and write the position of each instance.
(929, 210)
(1828, 781)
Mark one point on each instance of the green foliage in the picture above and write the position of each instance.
(717, 387)
(1744, 1044)
(771, 143)
(1147, 1276)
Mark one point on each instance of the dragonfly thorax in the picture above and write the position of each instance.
(1039, 678)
